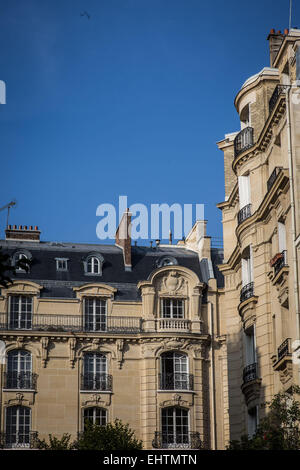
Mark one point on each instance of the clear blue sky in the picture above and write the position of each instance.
(129, 102)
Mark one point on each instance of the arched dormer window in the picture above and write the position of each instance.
(93, 264)
(18, 255)
(166, 261)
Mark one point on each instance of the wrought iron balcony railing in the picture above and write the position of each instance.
(250, 373)
(97, 381)
(244, 213)
(176, 381)
(279, 90)
(189, 440)
(284, 349)
(273, 177)
(243, 141)
(14, 440)
(20, 380)
(247, 292)
(65, 323)
(281, 262)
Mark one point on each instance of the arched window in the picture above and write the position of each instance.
(175, 427)
(95, 375)
(93, 263)
(17, 426)
(19, 370)
(95, 415)
(19, 255)
(174, 372)
(166, 261)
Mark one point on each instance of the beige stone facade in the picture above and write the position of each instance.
(261, 228)
(143, 346)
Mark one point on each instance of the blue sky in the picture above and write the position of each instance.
(129, 102)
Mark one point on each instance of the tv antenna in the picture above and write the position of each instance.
(291, 7)
(8, 207)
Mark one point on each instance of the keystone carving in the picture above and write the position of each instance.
(120, 346)
(45, 345)
(72, 347)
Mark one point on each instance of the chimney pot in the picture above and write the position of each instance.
(30, 227)
(9, 227)
(272, 31)
(36, 227)
(15, 227)
(286, 31)
(25, 227)
(20, 227)
(279, 32)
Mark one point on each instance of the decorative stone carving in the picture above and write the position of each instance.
(72, 348)
(20, 400)
(120, 345)
(177, 400)
(173, 283)
(45, 345)
(97, 400)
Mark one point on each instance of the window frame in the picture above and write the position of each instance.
(171, 307)
(62, 260)
(19, 320)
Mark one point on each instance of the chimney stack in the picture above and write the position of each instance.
(123, 238)
(22, 233)
(275, 40)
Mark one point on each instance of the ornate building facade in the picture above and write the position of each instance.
(261, 229)
(98, 332)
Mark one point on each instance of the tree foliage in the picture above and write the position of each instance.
(112, 436)
(55, 443)
(279, 430)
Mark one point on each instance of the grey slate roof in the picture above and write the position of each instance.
(59, 284)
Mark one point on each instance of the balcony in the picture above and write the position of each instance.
(284, 363)
(189, 440)
(279, 91)
(96, 382)
(284, 349)
(244, 213)
(250, 373)
(243, 141)
(280, 262)
(174, 324)
(176, 381)
(19, 440)
(273, 177)
(247, 292)
(74, 323)
(20, 381)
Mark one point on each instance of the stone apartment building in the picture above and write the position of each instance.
(98, 332)
(261, 230)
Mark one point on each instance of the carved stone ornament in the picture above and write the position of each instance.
(175, 343)
(72, 348)
(176, 400)
(45, 344)
(97, 400)
(19, 400)
(120, 344)
(173, 282)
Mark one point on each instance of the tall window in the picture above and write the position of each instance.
(247, 266)
(95, 372)
(20, 312)
(252, 421)
(172, 308)
(93, 265)
(244, 190)
(96, 416)
(250, 345)
(17, 429)
(175, 427)
(174, 371)
(95, 314)
(19, 370)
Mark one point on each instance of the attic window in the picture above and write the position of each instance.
(18, 255)
(167, 261)
(61, 264)
(93, 264)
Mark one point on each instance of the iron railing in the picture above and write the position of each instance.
(279, 90)
(65, 323)
(247, 292)
(284, 349)
(22, 440)
(280, 263)
(189, 440)
(96, 381)
(20, 380)
(243, 141)
(244, 213)
(250, 373)
(176, 381)
(273, 177)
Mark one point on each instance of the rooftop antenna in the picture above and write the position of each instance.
(8, 207)
(290, 22)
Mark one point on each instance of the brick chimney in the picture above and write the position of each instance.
(22, 233)
(123, 238)
(275, 40)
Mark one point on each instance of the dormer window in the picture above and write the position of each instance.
(166, 261)
(93, 264)
(61, 264)
(19, 255)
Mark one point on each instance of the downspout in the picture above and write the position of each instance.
(291, 180)
(212, 379)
